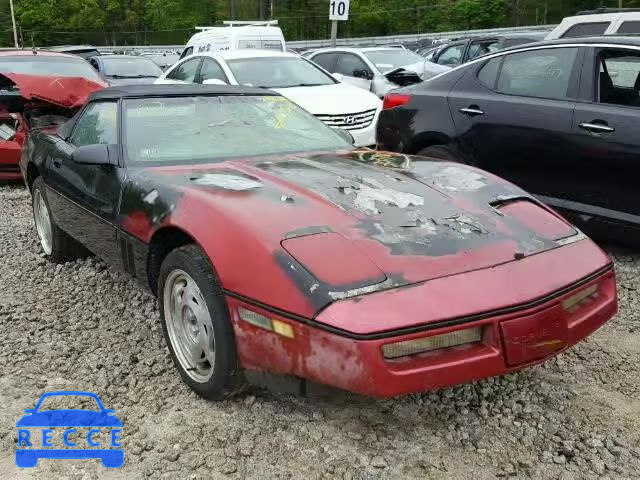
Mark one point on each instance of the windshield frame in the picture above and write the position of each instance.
(125, 161)
(26, 59)
(231, 61)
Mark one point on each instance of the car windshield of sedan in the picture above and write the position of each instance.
(390, 59)
(200, 129)
(42, 65)
(278, 72)
(131, 67)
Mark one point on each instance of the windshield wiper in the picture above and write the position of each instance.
(132, 76)
(301, 85)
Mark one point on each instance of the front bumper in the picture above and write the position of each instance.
(509, 342)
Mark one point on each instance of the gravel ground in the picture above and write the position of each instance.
(79, 327)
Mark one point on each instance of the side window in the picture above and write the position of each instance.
(619, 78)
(586, 29)
(186, 71)
(187, 51)
(629, 27)
(326, 61)
(488, 74)
(97, 125)
(349, 64)
(451, 55)
(477, 49)
(212, 69)
(538, 73)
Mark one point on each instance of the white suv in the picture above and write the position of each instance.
(337, 104)
(595, 24)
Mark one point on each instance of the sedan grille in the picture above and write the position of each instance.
(349, 121)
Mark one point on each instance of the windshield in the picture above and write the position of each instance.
(390, 59)
(274, 72)
(202, 129)
(130, 67)
(41, 65)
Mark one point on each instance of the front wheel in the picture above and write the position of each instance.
(442, 152)
(196, 324)
(56, 244)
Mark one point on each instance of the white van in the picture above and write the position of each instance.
(235, 36)
(604, 21)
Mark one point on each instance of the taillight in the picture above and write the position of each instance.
(393, 100)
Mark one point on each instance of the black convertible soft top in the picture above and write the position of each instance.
(173, 90)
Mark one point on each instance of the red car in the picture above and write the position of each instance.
(36, 88)
(275, 247)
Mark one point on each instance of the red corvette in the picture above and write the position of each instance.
(276, 248)
(37, 89)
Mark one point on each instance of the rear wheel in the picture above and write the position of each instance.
(441, 152)
(56, 244)
(196, 324)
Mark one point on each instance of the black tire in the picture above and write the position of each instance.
(227, 378)
(63, 247)
(442, 152)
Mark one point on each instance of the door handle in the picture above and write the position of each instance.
(596, 127)
(471, 111)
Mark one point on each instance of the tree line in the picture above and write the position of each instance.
(139, 22)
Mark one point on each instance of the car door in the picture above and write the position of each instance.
(451, 56)
(326, 60)
(354, 70)
(606, 136)
(477, 48)
(84, 198)
(184, 72)
(513, 114)
(211, 70)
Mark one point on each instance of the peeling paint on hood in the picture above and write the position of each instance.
(227, 181)
(457, 178)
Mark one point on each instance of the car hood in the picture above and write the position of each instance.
(69, 418)
(332, 99)
(66, 92)
(343, 224)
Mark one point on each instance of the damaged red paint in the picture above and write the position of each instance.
(20, 96)
(65, 92)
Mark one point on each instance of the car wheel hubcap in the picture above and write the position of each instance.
(189, 326)
(43, 222)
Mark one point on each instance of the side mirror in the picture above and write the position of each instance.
(99, 154)
(345, 134)
(29, 410)
(338, 76)
(362, 74)
(213, 81)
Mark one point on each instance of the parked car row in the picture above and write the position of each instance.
(559, 118)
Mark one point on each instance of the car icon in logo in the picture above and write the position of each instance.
(35, 439)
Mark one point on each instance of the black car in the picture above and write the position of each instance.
(463, 51)
(560, 119)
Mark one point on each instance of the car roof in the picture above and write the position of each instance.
(621, 40)
(173, 90)
(247, 53)
(18, 52)
(361, 49)
(72, 48)
(108, 57)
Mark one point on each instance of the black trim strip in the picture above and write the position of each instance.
(421, 328)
